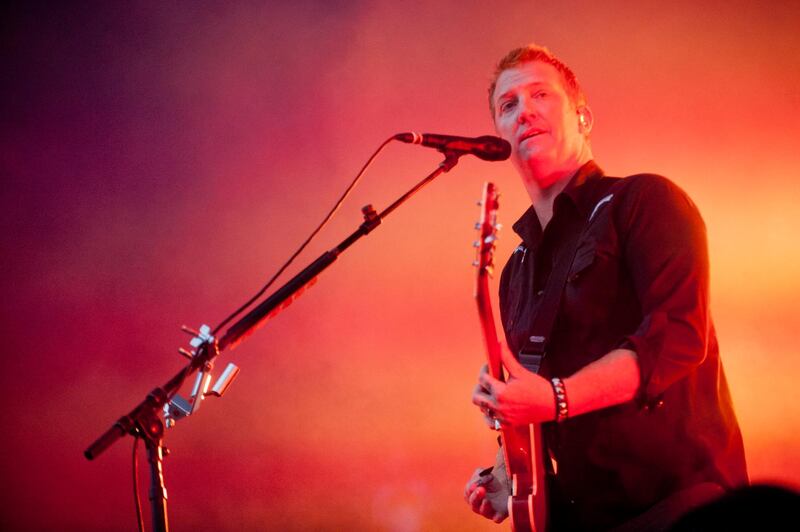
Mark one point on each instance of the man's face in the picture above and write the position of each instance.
(534, 113)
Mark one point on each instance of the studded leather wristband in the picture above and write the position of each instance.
(560, 392)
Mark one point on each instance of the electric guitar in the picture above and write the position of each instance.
(522, 445)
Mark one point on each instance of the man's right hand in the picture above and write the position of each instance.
(487, 493)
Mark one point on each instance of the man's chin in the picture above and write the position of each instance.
(533, 155)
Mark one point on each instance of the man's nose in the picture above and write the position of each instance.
(526, 111)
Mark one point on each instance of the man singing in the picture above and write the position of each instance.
(637, 419)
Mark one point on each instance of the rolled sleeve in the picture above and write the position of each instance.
(666, 253)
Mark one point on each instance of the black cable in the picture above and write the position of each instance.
(308, 240)
(137, 500)
(286, 265)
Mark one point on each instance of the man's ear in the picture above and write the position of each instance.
(585, 119)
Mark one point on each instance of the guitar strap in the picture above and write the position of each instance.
(532, 353)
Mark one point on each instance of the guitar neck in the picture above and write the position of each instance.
(489, 331)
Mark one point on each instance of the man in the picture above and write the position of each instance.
(637, 419)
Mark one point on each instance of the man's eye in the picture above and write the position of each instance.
(505, 106)
(540, 94)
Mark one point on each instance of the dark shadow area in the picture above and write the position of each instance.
(758, 507)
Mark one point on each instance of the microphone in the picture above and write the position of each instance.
(488, 148)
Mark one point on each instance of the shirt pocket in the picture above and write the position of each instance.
(518, 299)
(585, 257)
(593, 280)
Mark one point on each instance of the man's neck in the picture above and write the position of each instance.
(544, 186)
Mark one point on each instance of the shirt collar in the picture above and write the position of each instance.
(582, 196)
(578, 191)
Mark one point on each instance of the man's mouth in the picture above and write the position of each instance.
(530, 134)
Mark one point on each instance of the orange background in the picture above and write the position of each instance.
(161, 161)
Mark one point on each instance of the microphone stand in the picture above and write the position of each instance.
(144, 420)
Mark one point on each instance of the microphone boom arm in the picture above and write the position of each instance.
(293, 288)
(150, 407)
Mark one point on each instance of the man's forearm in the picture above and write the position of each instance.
(608, 381)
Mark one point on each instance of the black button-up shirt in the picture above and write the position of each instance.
(639, 280)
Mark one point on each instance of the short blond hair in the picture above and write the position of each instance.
(535, 52)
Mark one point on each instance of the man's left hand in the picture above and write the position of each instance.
(523, 399)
